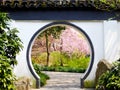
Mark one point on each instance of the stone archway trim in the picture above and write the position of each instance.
(56, 23)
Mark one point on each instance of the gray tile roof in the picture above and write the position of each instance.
(45, 3)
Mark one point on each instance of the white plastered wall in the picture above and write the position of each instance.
(103, 34)
(111, 40)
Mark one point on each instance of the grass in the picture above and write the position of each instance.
(77, 62)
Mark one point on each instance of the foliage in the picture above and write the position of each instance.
(40, 58)
(110, 80)
(106, 5)
(10, 46)
(3, 22)
(6, 76)
(62, 69)
(76, 63)
(10, 43)
(43, 76)
(54, 31)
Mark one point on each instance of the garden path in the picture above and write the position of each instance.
(63, 81)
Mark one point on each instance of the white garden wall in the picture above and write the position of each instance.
(103, 34)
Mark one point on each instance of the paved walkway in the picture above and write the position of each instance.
(63, 81)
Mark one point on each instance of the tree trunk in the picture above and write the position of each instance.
(61, 47)
(47, 49)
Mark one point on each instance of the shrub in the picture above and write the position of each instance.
(62, 69)
(110, 80)
(10, 46)
(43, 76)
(6, 76)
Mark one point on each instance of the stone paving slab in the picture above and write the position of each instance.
(63, 81)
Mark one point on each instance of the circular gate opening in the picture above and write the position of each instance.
(61, 46)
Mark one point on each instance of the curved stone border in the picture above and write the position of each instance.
(29, 63)
(59, 23)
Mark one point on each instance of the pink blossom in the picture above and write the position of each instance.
(74, 41)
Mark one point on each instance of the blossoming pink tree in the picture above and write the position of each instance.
(72, 41)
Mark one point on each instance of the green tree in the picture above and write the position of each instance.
(10, 46)
(106, 5)
(55, 32)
